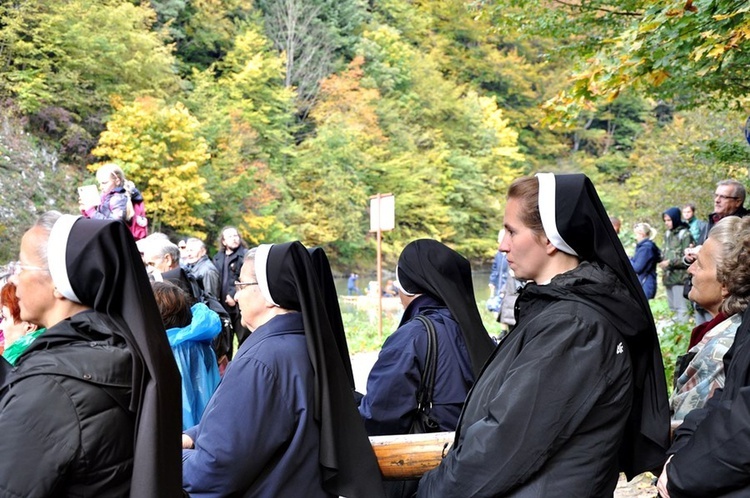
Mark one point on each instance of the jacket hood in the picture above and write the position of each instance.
(676, 217)
(599, 288)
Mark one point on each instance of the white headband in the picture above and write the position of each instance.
(401, 287)
(261, 275)
(57, 249)
(547, 212)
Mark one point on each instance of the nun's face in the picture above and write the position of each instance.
(527, 250)
(34, 288)
(250, 300)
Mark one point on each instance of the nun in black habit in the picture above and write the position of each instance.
(92, 407)
(282, 422)
(575, 393)
(435, 282)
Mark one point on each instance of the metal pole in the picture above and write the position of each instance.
(379, 279)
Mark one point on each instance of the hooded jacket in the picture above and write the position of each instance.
(545, 415)
(66, 406)
(676, 240)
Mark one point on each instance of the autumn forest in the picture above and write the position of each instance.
(282, 117)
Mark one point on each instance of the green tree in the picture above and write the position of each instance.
(246, 116)
(77, 54)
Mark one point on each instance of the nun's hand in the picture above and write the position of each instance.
(187, 442)
(661, 484)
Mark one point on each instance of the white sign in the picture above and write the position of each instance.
(382, 212)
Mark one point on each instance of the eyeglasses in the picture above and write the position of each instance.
(15, 268)
(239, 285)
(722, 197)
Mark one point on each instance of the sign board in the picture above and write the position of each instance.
(382, 212)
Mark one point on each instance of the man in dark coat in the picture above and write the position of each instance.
(93, 405)
(228, 261)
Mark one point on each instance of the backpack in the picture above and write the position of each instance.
(222, 343)
(138, 223)
(136, 212)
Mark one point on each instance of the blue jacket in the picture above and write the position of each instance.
(390, 403)
(191, 347)
(258, 436)
(499, 272)
(644, 261)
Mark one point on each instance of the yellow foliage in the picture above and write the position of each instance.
(160, 149)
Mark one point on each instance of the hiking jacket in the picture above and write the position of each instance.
(64, 419)
(548, 412)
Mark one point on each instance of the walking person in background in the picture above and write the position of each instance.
(647, 255)
(351, 284)
(576, 392)
(677, 238)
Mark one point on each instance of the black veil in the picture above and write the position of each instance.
(428, 267)
(570, 203)
(287, 277)
(96, 263)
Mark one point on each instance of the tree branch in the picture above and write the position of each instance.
(599, 9)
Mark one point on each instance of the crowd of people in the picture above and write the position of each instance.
(117, 347)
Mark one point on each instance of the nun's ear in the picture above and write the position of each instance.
(551, 250)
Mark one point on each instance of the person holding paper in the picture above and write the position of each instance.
(113, 202)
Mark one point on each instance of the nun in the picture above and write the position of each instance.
(575, 393)
(434, 282)
(282, 422)
(92, 407)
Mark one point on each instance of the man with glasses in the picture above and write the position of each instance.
(729, 198)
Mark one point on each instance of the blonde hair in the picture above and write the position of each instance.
(645, 229)
(111, 170)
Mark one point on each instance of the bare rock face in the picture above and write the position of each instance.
(32, 181)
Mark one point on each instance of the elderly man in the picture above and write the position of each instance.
(729, 198)
(161, 255)
(202, 267)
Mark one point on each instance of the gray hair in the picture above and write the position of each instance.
(46, 221)
(733, 261)
(739, 189)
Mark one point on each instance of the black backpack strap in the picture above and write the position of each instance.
(427, 385)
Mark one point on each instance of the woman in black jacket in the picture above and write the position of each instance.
(575, 393)
(92, 407)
